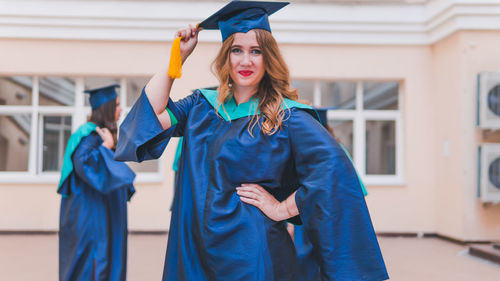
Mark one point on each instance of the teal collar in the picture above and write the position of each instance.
(234, 111)
(73, 142)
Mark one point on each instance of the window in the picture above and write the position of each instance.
(15, 136)
(38, 115)
(55, 132)
(15, 123)
(366, 118)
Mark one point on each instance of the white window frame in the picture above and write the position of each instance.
(359, 116)
(79, 113)
(41, 137)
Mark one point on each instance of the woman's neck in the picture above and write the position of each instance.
(243, 94)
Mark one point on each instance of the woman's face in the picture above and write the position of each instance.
(118, 110)
(247, 63)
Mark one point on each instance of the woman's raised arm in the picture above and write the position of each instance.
(158, 88)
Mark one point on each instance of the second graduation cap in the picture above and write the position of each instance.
(242, 16)
(102, 95)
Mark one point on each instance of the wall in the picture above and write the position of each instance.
(457, 60)
(480, 53)
(447, 82)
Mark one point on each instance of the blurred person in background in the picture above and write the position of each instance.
(95, 189)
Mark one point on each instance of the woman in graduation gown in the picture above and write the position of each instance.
(95, 189)
(251, 132)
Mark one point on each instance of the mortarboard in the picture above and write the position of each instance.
(242, 16)
(236, 16)
(323, 114)
(102, 95)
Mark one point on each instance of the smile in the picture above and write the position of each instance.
(245, 73)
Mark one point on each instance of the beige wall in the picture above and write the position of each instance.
(438, 98)
(480, 52)
(447, 114)
(456, 62)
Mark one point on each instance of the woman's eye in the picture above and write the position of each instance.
(235, 50)
(256, 52)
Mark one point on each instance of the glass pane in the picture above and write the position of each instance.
(380, 95)
(343, 132)
(97, 82)
(341, 95)
(16, 90)
(56, 132)
(305, 89)
(380, 147)
(150, 166)
(57, 91)
(15, 132)
(134, 88)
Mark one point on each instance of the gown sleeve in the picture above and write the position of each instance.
(332, 206)
(141, 135)
(94, 164)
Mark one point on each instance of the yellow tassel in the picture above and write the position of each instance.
(175, 66)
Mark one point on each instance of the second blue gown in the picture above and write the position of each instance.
(93, 217)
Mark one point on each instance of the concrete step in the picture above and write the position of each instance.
(487, 252)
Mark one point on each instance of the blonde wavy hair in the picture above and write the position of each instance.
(273, 88)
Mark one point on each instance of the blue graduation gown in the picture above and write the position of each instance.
(308, 264)
(214, 235)
(93, 218)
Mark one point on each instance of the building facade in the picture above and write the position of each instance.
(400, 78)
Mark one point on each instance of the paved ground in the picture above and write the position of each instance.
(34, 258)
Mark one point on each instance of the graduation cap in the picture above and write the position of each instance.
(102, 95)
(237, 16)
(242, 16)
(322, 114)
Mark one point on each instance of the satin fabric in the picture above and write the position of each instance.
(93, 218)
(214, 235)
(242, 16)
(243, 22)
(73, 142)
(363, 188)
(308, 263)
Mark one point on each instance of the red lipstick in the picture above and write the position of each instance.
(245, 73)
